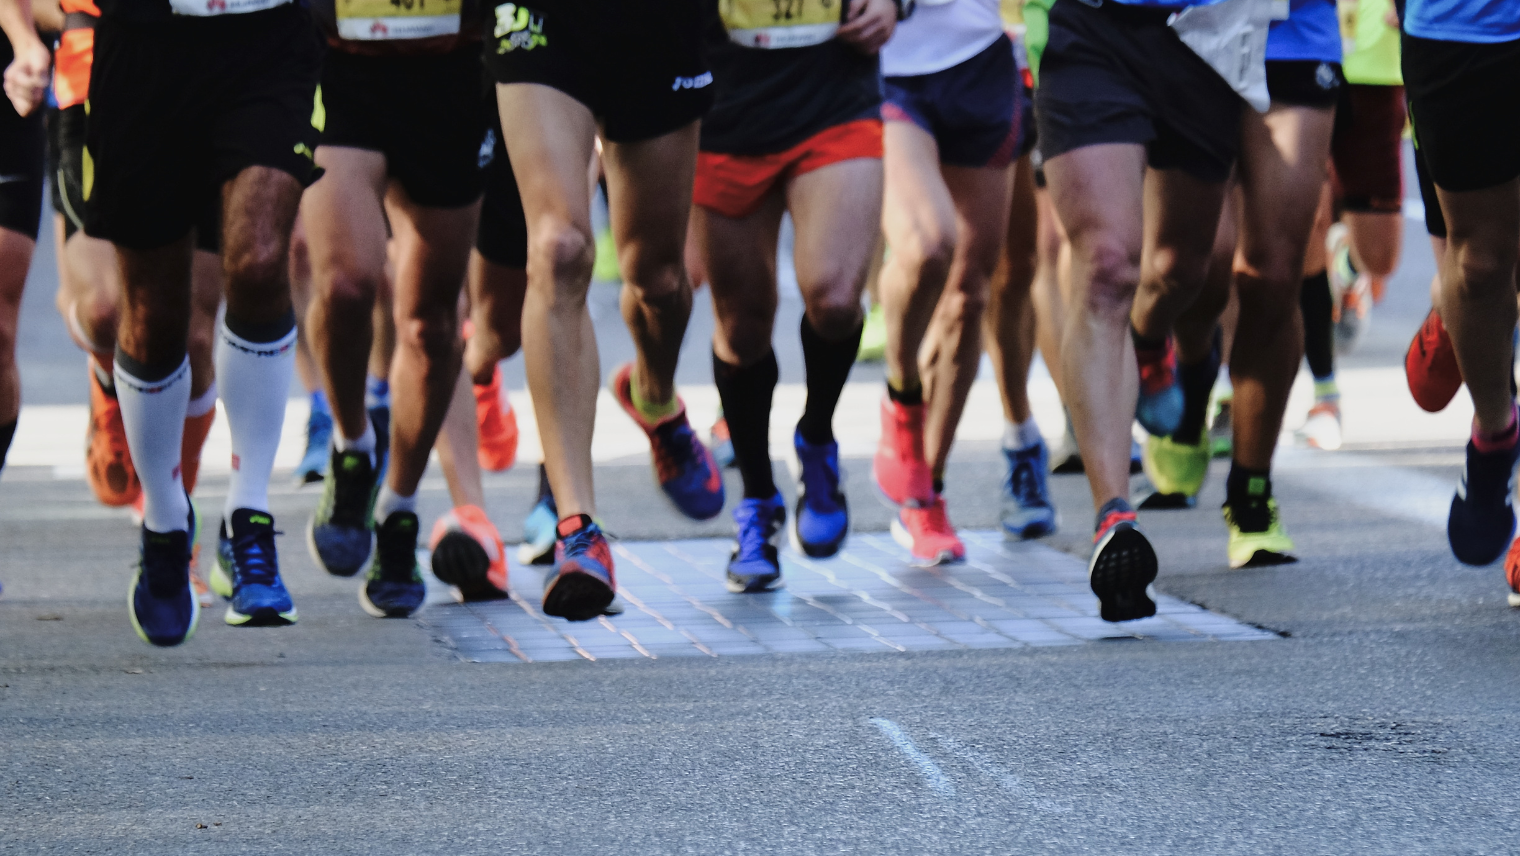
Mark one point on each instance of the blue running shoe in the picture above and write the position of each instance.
(394, 587)
(1482, 519)
(538, 534)
(248, 572)
(823, 515)
(161, 603)
(755, 564)
(1159, 406)
(582, 584)
(1027, 510)
(341, 532)
(319, 428)
(683, 466)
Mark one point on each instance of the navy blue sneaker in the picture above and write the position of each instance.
(582, 585)
(683, 466)
(319, 428)
(823, 516)
(1482, 519)
(1027, 511)
(394, 587)
(342, 530)
(755, 564)
(248, 568)
(1158, 409)
(161, 604)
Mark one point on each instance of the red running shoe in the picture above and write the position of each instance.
(497, 425)
(902, 475)
(1512, 572)
(1430, 366)
(928, 535)
(108, 462)
(468, 554)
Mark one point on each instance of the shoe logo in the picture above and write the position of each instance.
(261, 519)
(350, 463)
(1324, 77)
(518, 28)
(701, 81)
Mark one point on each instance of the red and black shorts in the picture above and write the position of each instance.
(735, 185)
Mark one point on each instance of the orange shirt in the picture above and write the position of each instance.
(72, 60)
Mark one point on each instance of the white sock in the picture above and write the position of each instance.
(202, 404)
(255, 379)
(153, 413)
(1021, 435)
(364, 443)
(389, 501)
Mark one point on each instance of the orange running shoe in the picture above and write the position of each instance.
(108, 461)
(468, 554)
(927, 534)
(497, 423)
(1430, 365)
(902, 475)
(203, 593)
(1512, 572)
(197, 428)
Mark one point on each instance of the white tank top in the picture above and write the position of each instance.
(941, 34)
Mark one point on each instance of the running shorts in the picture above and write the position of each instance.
(66, 169)
(423, 112)
(735, 185)
(1367, 149)
(179, 107)
(1119, 74)
(23, 149)
(502, 236)
(638, 65)
(1304, 83)
(972, 110)
(1435, 218)
(1465, 102)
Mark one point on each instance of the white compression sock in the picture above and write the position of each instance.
(153, 413)
(255, 380)
(1021, 435)
(389, 501)
(202, 404)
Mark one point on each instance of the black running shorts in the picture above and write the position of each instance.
(423, 112)
(1465, 102)
(1119, 74)
(1304, 82)
(178, 107)
(503, 233)
(638, 65)
(22, 164)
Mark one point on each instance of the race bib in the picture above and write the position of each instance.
(1231, 36)
(208, 8)
(384, 20)
(775, 24)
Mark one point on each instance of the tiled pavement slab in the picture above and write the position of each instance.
(866, 599)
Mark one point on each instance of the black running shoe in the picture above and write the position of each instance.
(1482, 519)
(1123, 566)
(161, 604)
(341, 533)
(394, 587)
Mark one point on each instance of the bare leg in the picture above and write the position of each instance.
(1009, 329)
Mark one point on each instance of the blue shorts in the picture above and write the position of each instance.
(972, 110)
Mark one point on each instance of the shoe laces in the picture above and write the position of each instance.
(674, 444)
(756, 522)
(254, 555)
(1251, 515)
(1024, 479)
(820, 478)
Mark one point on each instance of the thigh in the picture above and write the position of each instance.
(1282, 167)
(649, 190)
(344, 219)
(1097, 194)
(982, 197)
(432, 252)
(917, 211)
(1181, 220)
(837, 211)
(550, 138)
(740, 257)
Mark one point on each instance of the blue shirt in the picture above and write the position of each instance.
(1473, 21)
(1311, 32)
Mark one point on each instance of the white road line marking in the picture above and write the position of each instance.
(926, 766)
(1011, 783)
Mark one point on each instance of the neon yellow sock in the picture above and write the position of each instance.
(651, 412)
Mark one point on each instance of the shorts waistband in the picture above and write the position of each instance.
(1131, 14)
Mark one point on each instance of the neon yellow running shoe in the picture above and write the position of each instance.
(605, 269)
(1176, 469)
(1256, 549)
(873, 337)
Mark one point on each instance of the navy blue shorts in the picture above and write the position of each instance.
(972, 110)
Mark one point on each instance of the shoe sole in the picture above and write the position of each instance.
(1265, 559)
(1514, 599)
(577, 596)
(311, 545)
(761, 586)
(904, 539)
(221, 581)
(1430, 406)
(195, 616)
(369, 606)
(1122, 568)
(266, 617)
(612, 388)
(1032, 531)
(460, 561)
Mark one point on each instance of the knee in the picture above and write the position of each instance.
(97, 318)
(929, 251)
(1113, 272)
(431, 330)
(1481, 267)
(349, 294)
(835, 313)
(966, 304)
(1169, 268)
(566, 251)
(656, 278)
(259, 266)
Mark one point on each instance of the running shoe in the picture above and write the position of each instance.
(873, 336)
(721, 443)
(605, 268)
(1512, 572)
(1430, 365)
(823, 516)
(1257, 548)
(684, 468)
(108, 461)
(468, 554)
(581, 586)
(1067, 458)
(319, 429)
(1159, 405)
(1222, 425)
(342, 530)
(1355, 316)
(1177, 469)
(394, 587)
(161, 604)
(755, 564)
(927, 534)
(249, 567)
(1322, 430)
(1027, 511)
(1482, 519)
(496, 423)
(537, 547)
(901, 473)
(1123, 566)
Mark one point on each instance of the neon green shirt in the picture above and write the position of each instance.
(1371, 43)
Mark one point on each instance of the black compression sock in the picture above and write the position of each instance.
(828, 368)
(1144, 344)
(1246, 492)
(1197, 384)
(746, 395)
(7, 433)
(1316, 303)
